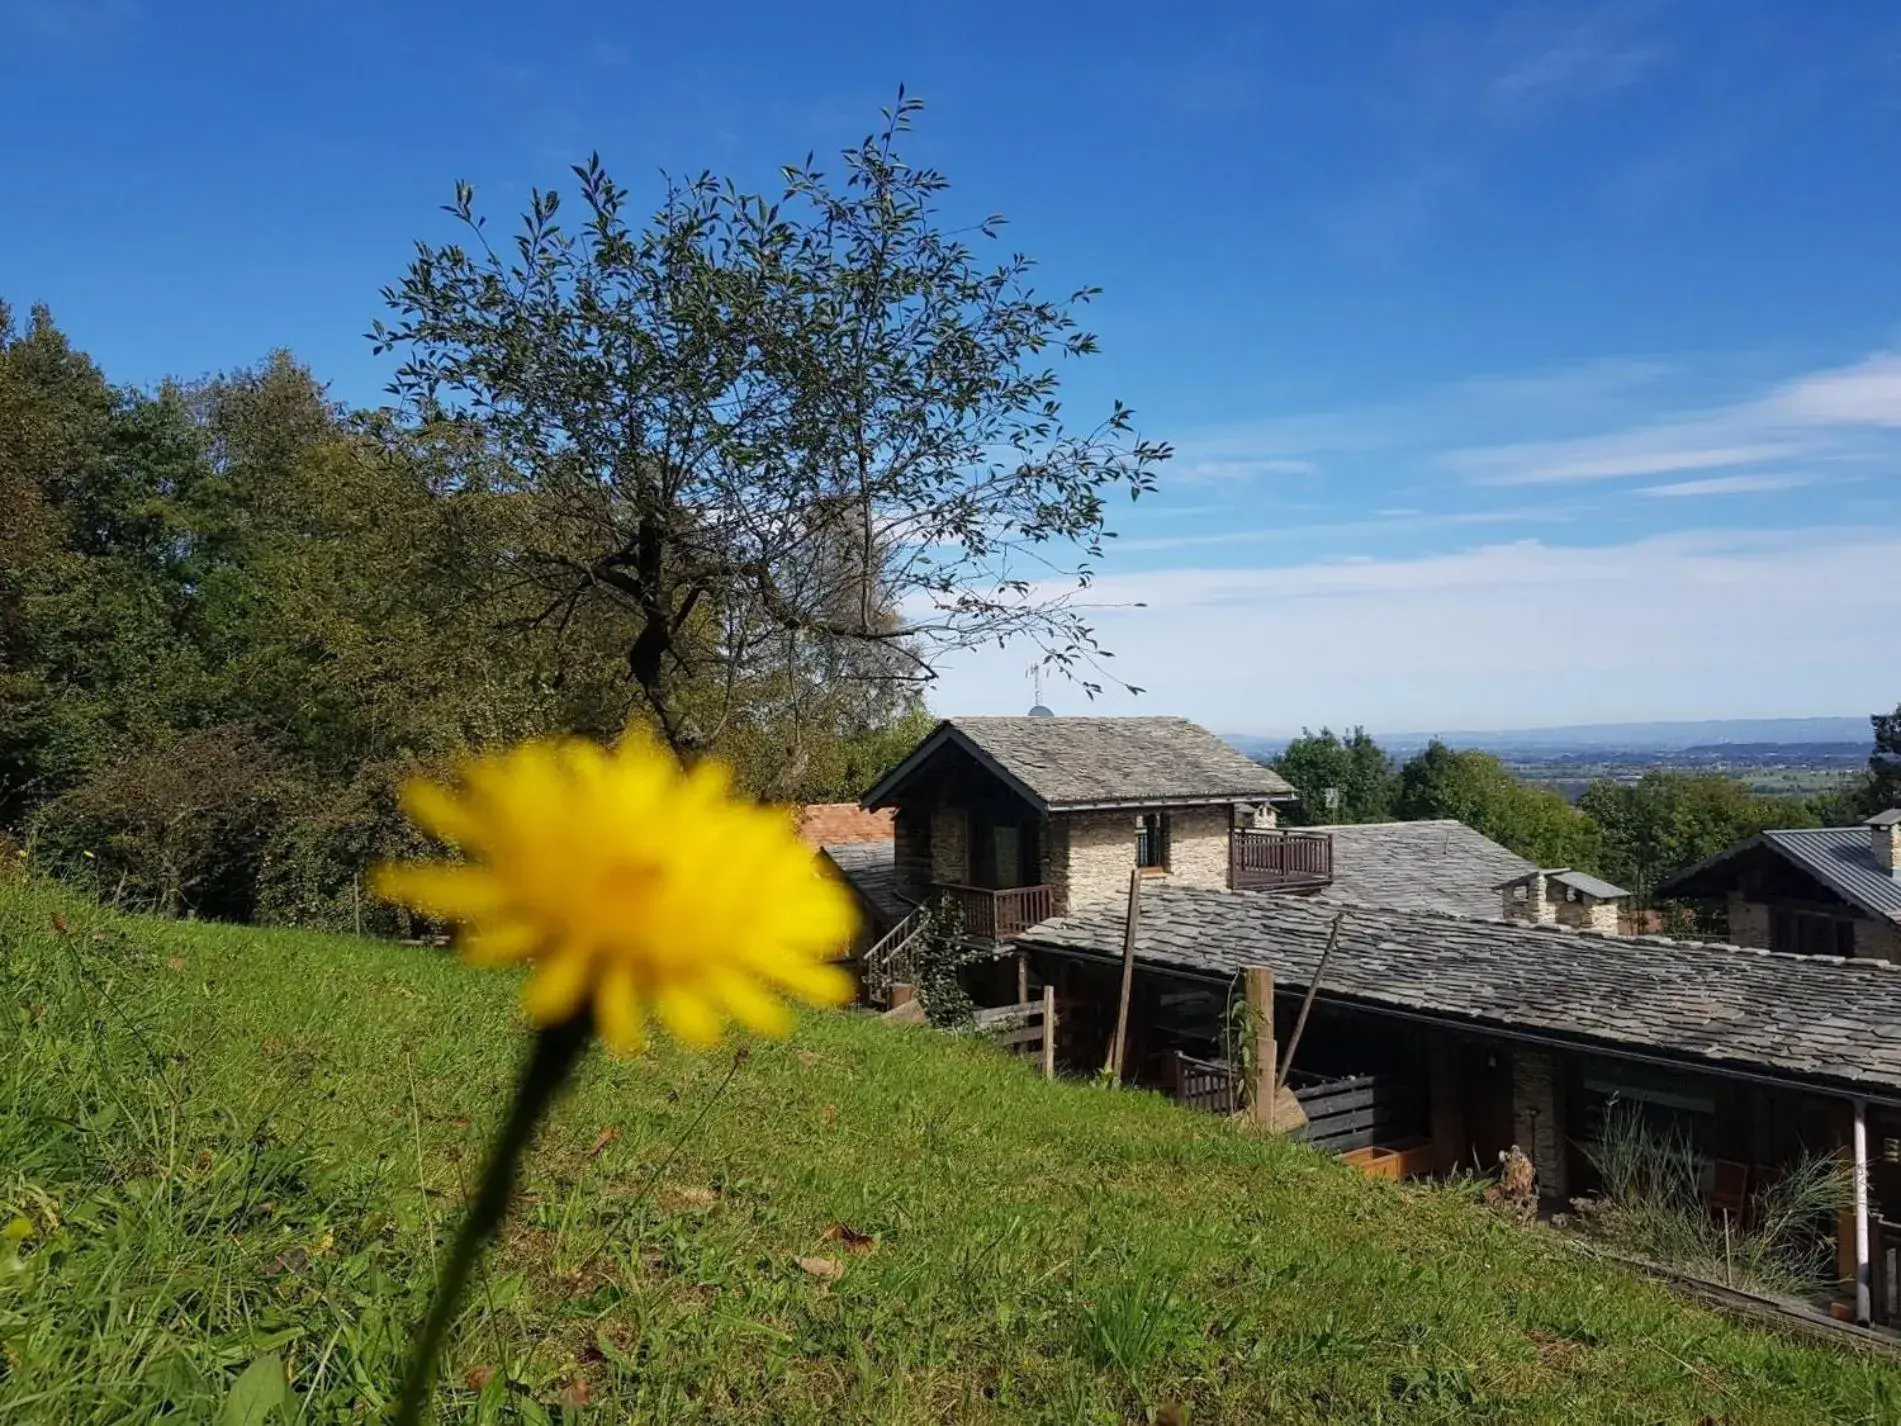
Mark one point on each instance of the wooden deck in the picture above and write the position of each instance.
(1279, 861)
(990, 915)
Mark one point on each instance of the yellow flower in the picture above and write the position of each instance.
(631, 884)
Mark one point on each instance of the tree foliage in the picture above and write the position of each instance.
(1339, 779)
(1477, 789)
(788, 448)
(1667, 821)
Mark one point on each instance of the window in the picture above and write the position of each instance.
(1807, 933)
(1151, 840)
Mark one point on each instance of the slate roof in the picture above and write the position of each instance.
(870, 869)
(1420, 866)
(1821, 1021)
(1581, 881)
(1063, 764)
(1838, 857)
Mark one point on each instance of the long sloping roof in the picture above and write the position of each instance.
(1068, 763)
(1841, 858)
(1820, 1021)
(1420, 866)
(870, 869)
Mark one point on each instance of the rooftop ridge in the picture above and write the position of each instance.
(1326, 910)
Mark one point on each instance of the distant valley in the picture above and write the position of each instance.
(1784, 756)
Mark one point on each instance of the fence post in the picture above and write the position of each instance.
(1023, 977)
(1049, 1032)
(1259, 1088)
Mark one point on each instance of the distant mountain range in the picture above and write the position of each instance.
(1704, 735)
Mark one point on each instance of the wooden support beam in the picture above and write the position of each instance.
(1118, 1044)
(1049, 1032)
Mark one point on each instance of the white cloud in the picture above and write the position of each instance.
(1729, 485)
(1865, 394)
(1696, 625)
(1817, 416)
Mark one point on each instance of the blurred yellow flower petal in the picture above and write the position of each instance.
(634, 887)
(500, 943)
(558, 987)
(617, 1011)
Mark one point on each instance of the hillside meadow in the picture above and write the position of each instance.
(230, 1156)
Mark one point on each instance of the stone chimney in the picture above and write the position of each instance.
(1884, 840)
(1528, 900)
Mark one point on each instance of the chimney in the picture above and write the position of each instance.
(1884, 840)
(1528, 900)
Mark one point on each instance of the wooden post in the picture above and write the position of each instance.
(1118, 1045)
(1023, 978)
(1258, 981)
(901, 994)
(1307, 1003)
(1864, 1297)
(1049, 1032)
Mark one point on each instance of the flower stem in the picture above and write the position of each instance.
(557, 1049)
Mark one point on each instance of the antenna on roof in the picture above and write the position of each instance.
(1037, 710)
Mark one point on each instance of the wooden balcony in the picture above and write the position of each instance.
(1279, 861)
(989, 915)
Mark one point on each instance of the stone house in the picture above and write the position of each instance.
(1814, 891)
(1015, 820)
(1456, 1038)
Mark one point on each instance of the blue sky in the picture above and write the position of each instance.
(1526, 364)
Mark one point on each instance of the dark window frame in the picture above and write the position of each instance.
(1151, 841)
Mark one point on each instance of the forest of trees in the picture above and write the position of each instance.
(1635, 834)
(743, 471)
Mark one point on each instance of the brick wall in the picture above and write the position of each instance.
(1538, 1120)
(831, 824)
(1198, 846)
(950, 845)
(1748, 922)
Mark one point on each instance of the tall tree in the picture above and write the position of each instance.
(1339, 780)
(1477, 789)
(1668, 820)
(813, 432)
(1883, 789)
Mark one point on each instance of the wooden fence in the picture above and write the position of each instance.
(1028, 1029)
(1360, 1110)
(1208, 1085)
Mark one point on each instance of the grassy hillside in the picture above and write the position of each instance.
(231, 1143)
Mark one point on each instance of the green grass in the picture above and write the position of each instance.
(234, 1143)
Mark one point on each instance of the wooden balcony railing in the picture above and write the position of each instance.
(998, 915)
(1279, 861)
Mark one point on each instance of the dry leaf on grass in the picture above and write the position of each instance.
(603, 1139)
(175, 962)
(696, 1197)
(575, 1393)
(824, 1269)
(852, 1240)
(460, 1121)
(479, 1377)
(59, 924)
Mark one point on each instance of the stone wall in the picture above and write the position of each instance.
(950, 845)
(1879, 940)
(1748, 922)
(1091, 854)
(1588, 914)
(1538, 1120)
(1198, 846)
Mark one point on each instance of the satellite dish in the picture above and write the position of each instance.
(1037, 710)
